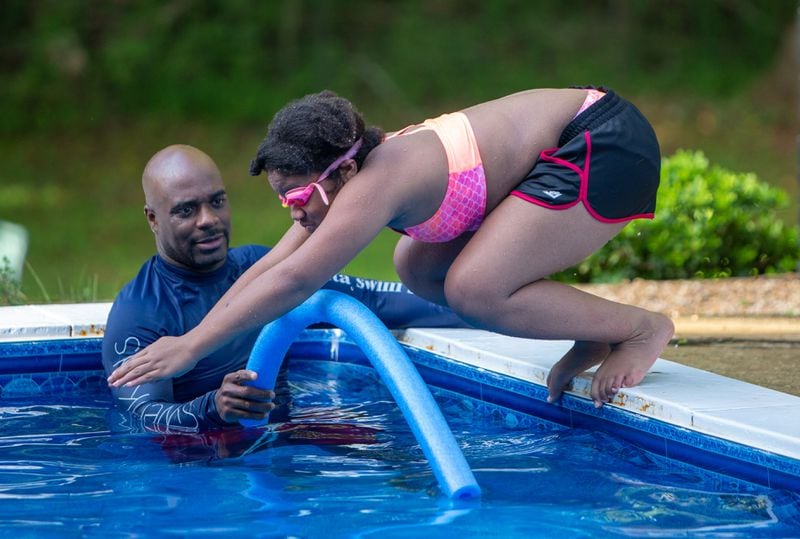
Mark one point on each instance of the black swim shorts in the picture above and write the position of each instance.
(607, 157)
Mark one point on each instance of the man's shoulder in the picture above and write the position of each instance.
(138, 310)
(146, 277)
(155, 289)
(247, 255)
(144, 297)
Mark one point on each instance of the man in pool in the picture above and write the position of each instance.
(187, 209)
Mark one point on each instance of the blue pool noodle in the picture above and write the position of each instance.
(392, 364)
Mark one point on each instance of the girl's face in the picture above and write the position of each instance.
(308, 196)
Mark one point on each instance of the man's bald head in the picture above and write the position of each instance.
(187, 208)
(173, 163)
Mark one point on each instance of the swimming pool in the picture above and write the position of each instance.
(345, 463)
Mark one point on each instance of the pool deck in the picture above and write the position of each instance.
(676, 394)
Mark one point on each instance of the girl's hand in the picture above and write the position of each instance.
(168, 357)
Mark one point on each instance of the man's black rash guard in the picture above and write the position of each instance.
(166, 300)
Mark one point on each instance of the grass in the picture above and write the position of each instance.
(80, 199)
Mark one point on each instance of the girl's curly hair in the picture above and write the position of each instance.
(310, 133)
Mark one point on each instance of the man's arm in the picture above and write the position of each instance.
(151, 406)
(131, 326)
(396, 305)
(393, 303)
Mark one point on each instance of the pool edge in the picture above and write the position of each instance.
(677, 396)
(671, 393)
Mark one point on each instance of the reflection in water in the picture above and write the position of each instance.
(339, 460)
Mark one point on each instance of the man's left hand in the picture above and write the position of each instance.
(236, 401)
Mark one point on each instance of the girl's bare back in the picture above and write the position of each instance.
(512, 131)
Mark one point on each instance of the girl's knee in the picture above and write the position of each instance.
(418, 277)
(408, 272)
(664, 327)
(406, 275)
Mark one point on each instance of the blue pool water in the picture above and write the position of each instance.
(340, 461)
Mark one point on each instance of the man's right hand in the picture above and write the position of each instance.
(237, 401)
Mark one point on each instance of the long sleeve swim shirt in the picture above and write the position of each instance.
(167, 300)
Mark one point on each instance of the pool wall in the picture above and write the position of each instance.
(678, 412)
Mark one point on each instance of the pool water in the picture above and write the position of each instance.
(338, 460)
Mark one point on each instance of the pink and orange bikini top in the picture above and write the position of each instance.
(464, 204)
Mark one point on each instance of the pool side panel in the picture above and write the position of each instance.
(661, 438)
(678, 395)
(50, 355)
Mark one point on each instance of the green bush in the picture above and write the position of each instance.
(710, 222)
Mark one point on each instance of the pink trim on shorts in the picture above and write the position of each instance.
(583, 174)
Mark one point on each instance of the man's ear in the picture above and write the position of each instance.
(151, 218)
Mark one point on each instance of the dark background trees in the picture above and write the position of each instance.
(91, 89)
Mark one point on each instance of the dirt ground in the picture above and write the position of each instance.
(744, 328)
(775, 365)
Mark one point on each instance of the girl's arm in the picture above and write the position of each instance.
(289, 242)
(280, 284)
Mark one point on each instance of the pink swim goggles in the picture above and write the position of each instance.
(301, 195)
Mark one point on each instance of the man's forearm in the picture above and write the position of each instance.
(147, 412)
(394, 304)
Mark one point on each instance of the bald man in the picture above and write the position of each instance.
(187, 209)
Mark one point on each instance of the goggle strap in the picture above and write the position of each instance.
(321, 192)
(286, 202)
(349, 154)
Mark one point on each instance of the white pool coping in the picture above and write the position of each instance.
(56, 321)
(676, 394)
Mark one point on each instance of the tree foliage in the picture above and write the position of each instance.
(72, 62)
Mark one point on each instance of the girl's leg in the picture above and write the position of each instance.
(498, 283)
(423, 266)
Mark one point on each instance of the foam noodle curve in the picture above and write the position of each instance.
(392, 364)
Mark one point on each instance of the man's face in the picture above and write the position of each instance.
(189, 214)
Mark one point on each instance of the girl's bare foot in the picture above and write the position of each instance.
(630, 360)
(581, 356)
